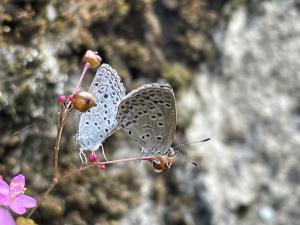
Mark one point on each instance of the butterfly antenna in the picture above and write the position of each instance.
(191, 143)
(187, 158)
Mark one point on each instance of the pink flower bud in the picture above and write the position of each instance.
(71, 98)
(61, 99)
(92, 157)
(100, 166)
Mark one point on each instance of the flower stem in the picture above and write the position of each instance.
(147, 158)
(59, 179)
(85, 69)
(62, 118)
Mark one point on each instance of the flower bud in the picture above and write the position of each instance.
(84, 100)
(61, 99)
(92, 58)
(100, 166)
(71, 98)
(161, 163)
(92, 157)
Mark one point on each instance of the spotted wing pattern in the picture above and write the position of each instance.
(148, 116)
(99, 122)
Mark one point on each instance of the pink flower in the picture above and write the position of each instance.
(12, 196)
(6, 218)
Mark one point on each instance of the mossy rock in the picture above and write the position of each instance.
(176, 74)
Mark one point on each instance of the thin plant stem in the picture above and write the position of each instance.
(62, 120)
(44, 195)
(57, 180)
(62, 117)
(57, 141)
(147, 158)
(85, 68)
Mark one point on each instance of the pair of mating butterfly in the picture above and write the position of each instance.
(147, 114)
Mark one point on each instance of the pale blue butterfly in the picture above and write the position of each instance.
(100, 121)
(148, 116)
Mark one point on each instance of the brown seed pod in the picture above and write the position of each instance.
(162, 163)
(84, 100)
(92, 58)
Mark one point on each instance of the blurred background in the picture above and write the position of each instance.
(234, 65)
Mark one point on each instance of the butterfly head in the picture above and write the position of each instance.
(162, 163)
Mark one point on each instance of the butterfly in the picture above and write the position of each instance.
(99, 122)
(148, 115)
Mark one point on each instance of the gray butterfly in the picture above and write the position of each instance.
(99, 122)
(148, 116)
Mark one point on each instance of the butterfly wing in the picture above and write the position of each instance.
(99, 122)
(148, 116)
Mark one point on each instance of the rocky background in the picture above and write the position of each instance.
(234, 66)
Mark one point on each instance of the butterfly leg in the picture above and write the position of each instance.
(103, 152)
(141, 154)
(82, 157)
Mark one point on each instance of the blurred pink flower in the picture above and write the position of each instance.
(6, 218)
(12, 196)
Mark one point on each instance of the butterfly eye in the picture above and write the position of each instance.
(161, 163)
(157, 166)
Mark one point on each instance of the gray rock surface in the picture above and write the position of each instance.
(249, 104)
